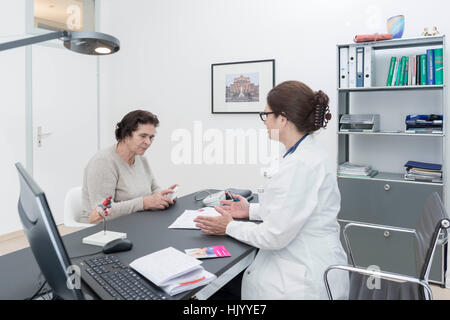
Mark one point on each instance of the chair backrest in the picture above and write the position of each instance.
(432, 223)
(72, 207)
(385, 290)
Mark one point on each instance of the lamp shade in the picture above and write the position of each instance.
(93, 43)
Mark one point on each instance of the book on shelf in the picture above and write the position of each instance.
(406, 72)
(430, 67)
(397, 71)
(414, 70)
(423, 69)
(401, 72)
(438, 66)
(391, 71)
(417, 69)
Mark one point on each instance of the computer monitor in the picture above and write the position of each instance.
(45, 241)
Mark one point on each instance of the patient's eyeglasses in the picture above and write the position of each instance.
(263, 115)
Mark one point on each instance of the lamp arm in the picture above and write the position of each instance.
(33, 40)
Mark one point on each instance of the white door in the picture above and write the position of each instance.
(64, 99)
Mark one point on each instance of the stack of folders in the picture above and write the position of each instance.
(348, 169)
(422, 69)
(424, 123)
(423, 171)
(172, 270)
(356, 66)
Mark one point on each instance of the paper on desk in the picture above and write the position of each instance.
(194, 279)
(186, 219)
(162, 266)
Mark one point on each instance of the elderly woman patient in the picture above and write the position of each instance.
(121, 171)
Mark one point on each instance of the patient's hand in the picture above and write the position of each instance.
(158, 201)
(94, 217)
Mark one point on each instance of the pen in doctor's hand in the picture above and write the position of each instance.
(230, 195)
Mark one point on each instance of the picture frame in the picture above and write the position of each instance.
(241, 87)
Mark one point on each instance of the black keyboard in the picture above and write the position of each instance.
(109, 278)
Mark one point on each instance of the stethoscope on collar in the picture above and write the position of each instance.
(294, 147)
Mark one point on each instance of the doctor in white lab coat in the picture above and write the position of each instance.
(298, 237)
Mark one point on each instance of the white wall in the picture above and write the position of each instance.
(164, 64)
(12, 112)
(168, 46)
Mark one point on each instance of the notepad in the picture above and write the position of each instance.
(186, 219)
(172, 270)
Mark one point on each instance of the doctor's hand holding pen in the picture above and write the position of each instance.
(236, 208)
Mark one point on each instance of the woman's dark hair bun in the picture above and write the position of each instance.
(321, 109)
(308, 110)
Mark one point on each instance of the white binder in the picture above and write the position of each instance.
(352, 67)
(368, 67)
(343, 68)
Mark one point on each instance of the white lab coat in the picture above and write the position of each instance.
(298, 237)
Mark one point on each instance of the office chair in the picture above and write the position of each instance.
(430, 231)
(72, 209)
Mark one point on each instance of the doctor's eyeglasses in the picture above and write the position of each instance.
(263, 115)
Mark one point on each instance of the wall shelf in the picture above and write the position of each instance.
(387, 198)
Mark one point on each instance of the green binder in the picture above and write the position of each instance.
(423, 69)
(391, 72)
(406, 72)
(398, 70)
(402, 72)
(438, 66)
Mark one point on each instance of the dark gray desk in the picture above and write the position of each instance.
(19, 272)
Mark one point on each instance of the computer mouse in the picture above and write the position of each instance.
(117, 245)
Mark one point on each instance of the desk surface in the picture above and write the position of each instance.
(148, 230)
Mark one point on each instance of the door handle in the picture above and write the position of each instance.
(41, 135)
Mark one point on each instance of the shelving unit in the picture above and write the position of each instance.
(387, 198)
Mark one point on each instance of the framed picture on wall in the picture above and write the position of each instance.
(241, 87)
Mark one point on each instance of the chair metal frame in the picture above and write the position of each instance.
(441, 239)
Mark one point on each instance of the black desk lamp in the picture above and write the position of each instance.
(86, 42)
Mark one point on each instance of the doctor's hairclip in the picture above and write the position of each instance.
(322, 116)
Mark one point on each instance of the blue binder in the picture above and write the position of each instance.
(423, 165)
(430, 66)
(359, 67)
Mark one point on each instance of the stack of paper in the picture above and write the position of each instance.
(172, 270)
(350, 169)
(415, 170)
(186, 219)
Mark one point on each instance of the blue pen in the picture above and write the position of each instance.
(231, 196)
